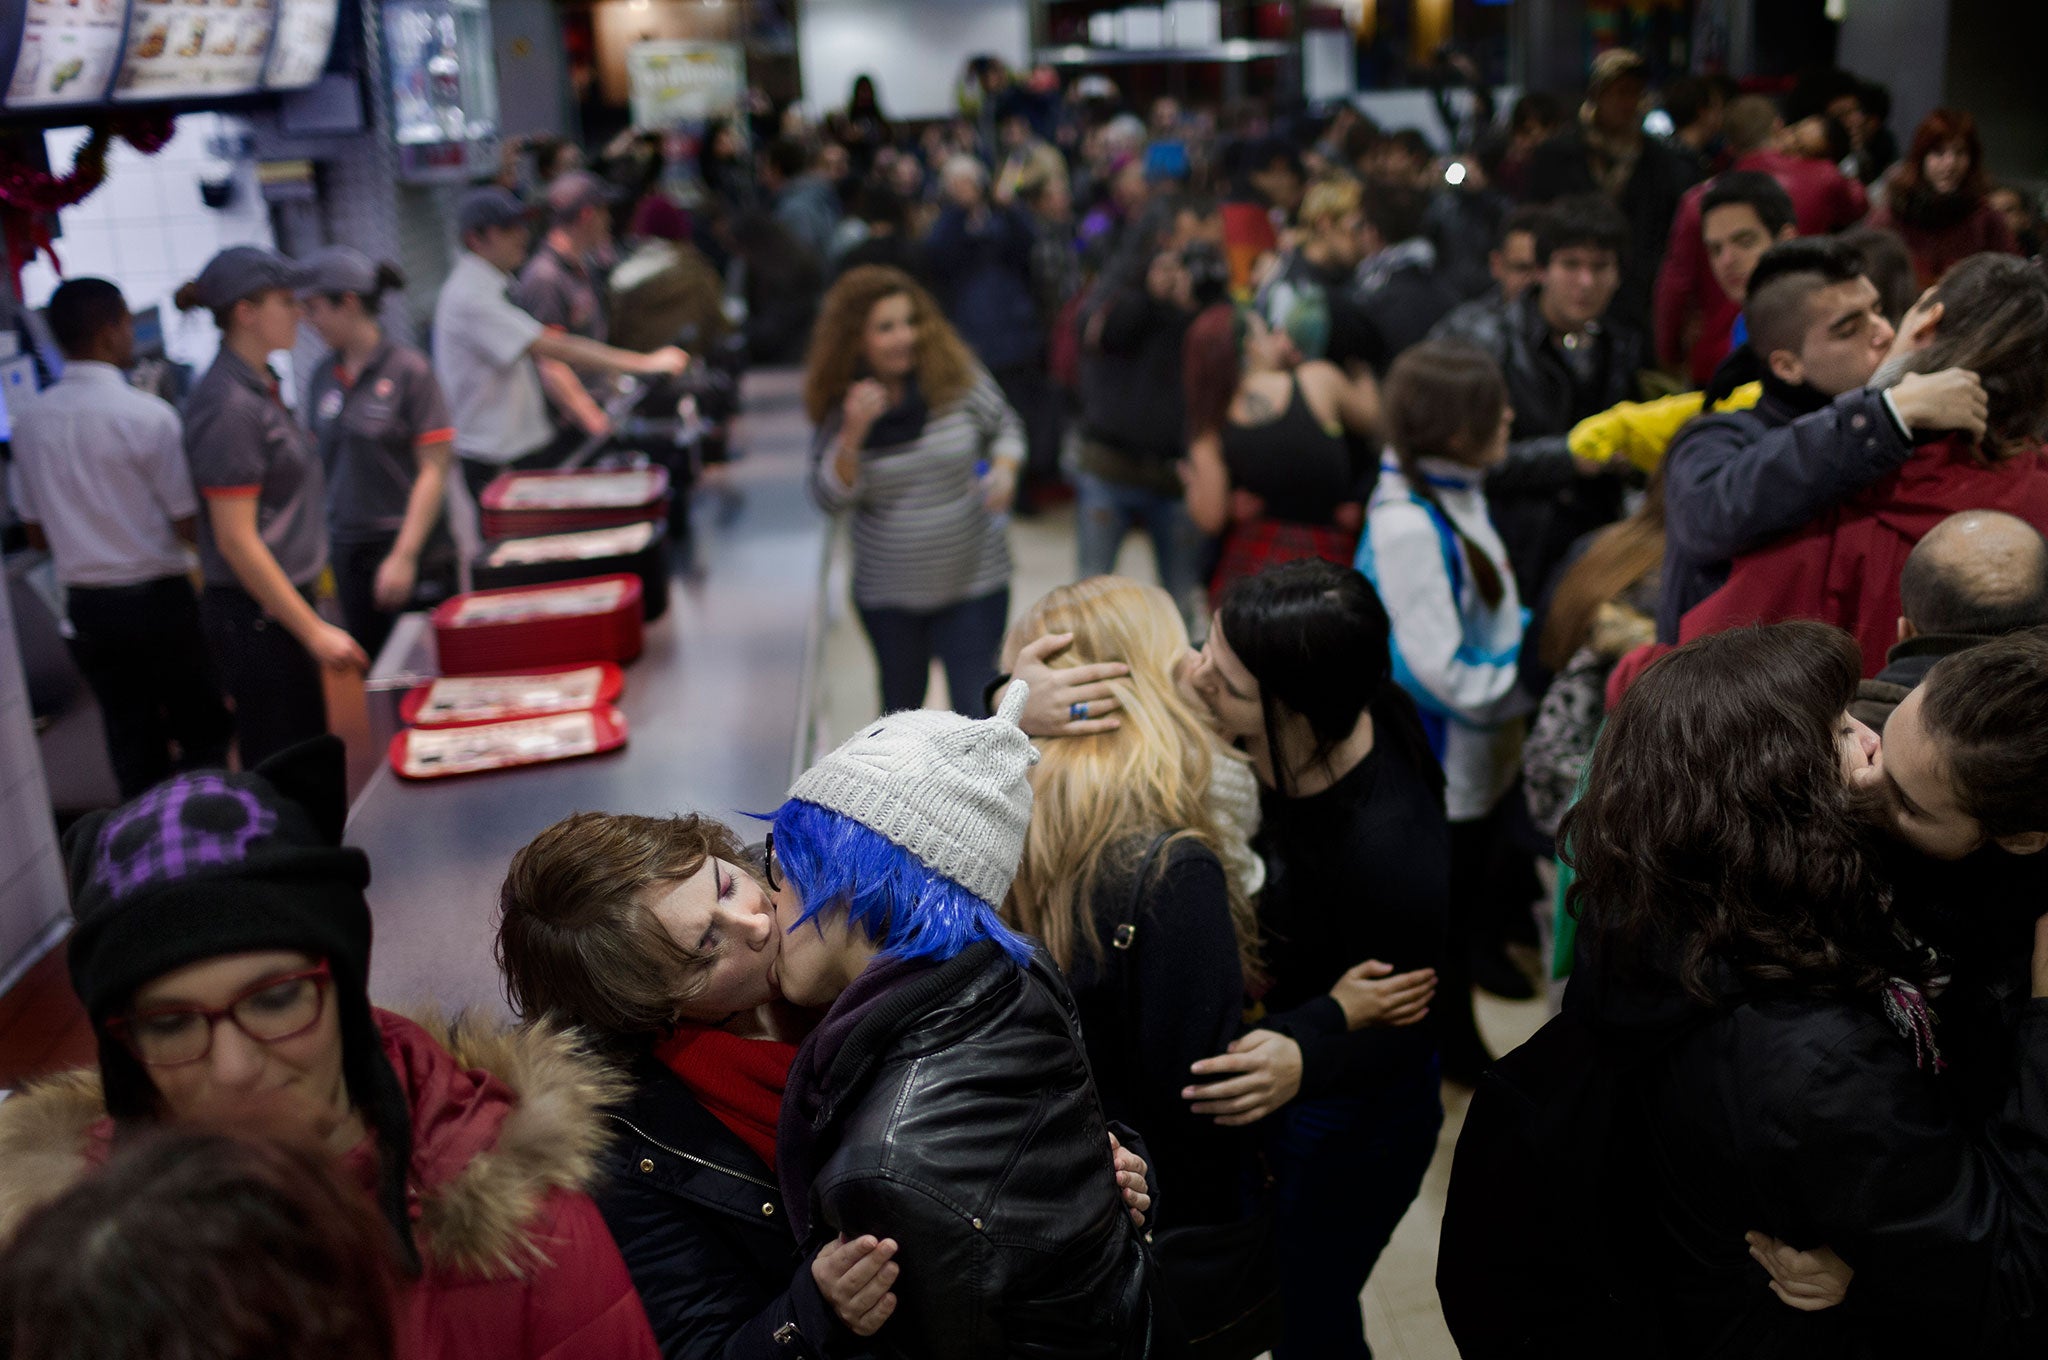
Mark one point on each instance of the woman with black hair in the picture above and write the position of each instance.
(221, 954)
(1781, 1069)
(1298, 669)
(386, 441)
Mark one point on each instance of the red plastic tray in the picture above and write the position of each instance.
(457, 699)
(522, 504)
(563, 623)
(477, 748)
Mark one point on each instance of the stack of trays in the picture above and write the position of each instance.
(571, 623)
(639, 549)
(468, 724)
(523, 504)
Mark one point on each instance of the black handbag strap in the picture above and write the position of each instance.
(1123, 938)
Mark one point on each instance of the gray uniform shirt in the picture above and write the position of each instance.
(369, 433)
(240, 441)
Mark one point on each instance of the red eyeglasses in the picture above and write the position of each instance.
(269, 1011)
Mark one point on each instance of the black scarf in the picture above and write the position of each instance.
(902, 423)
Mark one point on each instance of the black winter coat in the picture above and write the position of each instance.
(700, 1220)
(1131, 374)
(1539, 502)
(957, 1116)
(1809, 1118)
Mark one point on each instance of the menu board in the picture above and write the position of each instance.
(179, 49)
(69, 49)
(298, 54)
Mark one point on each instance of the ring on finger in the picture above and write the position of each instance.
(1077, 712)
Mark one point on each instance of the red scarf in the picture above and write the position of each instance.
(739, 1080)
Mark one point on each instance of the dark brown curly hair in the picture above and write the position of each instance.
(1716, 828)
(945, 366)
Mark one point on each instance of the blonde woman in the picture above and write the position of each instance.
(916, 442)
(1124, 878)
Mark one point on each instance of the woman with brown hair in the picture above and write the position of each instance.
(1270, 464)
(915, 440)
(654, 936)
(1939, 197)
(204, 1247)
(1762, 1023)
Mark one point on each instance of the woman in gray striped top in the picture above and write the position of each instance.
(915, 439)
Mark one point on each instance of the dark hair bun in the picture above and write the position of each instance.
(186, 299)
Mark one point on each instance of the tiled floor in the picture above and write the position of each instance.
(1403, 1320)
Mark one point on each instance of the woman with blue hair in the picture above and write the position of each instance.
(945, 1098)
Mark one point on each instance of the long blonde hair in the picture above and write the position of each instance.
(1100, 799)
(945, 366)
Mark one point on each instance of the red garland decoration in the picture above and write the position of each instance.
(29, 197)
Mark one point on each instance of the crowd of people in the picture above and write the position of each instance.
(1658, 516)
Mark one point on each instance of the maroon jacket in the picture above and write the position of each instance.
(1934, 249)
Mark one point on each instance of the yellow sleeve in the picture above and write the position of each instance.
(1640, 431)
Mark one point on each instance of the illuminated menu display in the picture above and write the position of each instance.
(69, 49)
(181, 49)
(298, 54)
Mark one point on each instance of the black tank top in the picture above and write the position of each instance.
(1299, 469)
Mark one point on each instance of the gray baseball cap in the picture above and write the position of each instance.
(243, 272)
(570, 194)
(338, 269)
(489, 206)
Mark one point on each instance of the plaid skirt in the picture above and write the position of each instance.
(1249, 548)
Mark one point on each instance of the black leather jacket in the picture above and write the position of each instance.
(1540, 503)
(958, 1117)
(701, 1223)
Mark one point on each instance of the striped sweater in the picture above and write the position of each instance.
(1455, 656)
(921, 537)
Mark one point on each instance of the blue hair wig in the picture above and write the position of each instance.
(888, 893)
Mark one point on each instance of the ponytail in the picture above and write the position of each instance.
(1441, 398)
(186, 299)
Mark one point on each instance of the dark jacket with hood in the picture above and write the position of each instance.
(949, 1106)
(1813, 1119)
(1735, 480)
(700, 1220)
(1539, 502)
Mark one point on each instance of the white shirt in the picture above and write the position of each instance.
(101, 467)
(481, 344)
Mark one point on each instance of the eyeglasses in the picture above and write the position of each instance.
(269, 1011)
(768, 865)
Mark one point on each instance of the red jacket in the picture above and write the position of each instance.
(1844, 567)
(1934, 249)
(1823, 200)
(506, 1129)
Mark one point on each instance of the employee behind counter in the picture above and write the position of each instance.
(485, 347)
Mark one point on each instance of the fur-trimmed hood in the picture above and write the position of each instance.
(502, 1119)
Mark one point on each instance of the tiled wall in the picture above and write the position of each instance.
(147, 230)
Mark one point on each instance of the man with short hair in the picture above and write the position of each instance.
(100, 479)
(1398, 287)
(1695, 106)
(802, 199)
(1734, 480)
(1977, 575)
(1823, 201)
(1512, 265)
(1565, 357)
(1605, 151)
(1742, 214)
(486, 345)
(562, 288)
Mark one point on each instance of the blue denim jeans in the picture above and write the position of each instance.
(967, 638)
(1345, 1170)
(1106, 511)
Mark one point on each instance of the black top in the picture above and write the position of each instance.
(1299, 469)
(1359, 871)
(1186, 990)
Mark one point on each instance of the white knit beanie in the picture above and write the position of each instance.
(952, 791)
